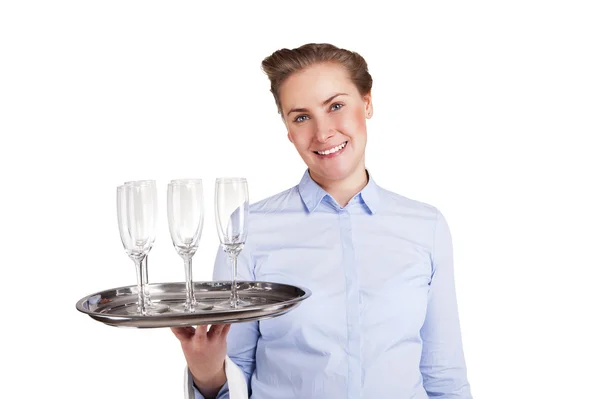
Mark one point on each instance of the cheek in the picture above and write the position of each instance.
(300, 136)
(354, 125)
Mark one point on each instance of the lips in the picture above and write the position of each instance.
(332, 150)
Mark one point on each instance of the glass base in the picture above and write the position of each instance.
(241, 303)
(151, 309)
(198, 307)
(157, 308)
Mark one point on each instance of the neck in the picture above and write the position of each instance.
(344, 189)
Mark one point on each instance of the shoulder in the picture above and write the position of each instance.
(394, 202)
(270, 218)
(289, 198)
(424, 222)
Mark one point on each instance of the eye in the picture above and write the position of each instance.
(301, 118)
(336, 106)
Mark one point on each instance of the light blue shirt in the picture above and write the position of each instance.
(382, 321)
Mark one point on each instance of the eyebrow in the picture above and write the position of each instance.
(330, 99)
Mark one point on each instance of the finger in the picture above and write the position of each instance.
(215, 330)
(201, 331)
(223, 331)
(183, 333)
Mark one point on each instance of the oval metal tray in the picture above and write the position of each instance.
(268, 300)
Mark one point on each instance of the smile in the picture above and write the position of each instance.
(332, 150)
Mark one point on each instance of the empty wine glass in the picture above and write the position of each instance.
(136, 215)
(153, 307)
(231, 213)
(185, 209)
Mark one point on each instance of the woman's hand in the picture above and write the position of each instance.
(205, 352)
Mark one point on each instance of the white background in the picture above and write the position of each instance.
(489, 112)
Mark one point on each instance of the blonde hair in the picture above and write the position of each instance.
(284, 62)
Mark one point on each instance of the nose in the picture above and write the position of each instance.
(324, 130)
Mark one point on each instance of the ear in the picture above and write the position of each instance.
(289, 136)
(368, 105)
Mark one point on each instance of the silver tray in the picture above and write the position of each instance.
(268, 300)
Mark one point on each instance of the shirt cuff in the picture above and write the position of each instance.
(198, 395)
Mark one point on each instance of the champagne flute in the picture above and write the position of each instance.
(185, 210)
(154, 307)
(231, 212)
(136, 214)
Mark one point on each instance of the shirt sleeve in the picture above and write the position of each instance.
(242, 337)
(442, 361)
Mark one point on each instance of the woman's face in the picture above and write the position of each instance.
(325, 116)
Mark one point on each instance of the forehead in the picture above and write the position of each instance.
(315, 84)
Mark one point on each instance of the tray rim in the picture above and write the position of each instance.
(284, 306)
(232, 320)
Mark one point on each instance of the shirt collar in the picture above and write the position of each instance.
(312, 194)
(370, 194)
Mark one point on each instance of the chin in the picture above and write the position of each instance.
(335, 173)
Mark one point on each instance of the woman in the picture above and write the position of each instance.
(382, 321)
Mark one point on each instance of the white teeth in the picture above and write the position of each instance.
(331, 151)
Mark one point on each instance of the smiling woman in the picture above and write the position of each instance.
(323, 94)
(383, 318)
(328, 130)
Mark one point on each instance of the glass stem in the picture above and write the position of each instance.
(145, 270)
(190, 300)
(140, 287)
(145, 281)
(234, 292)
